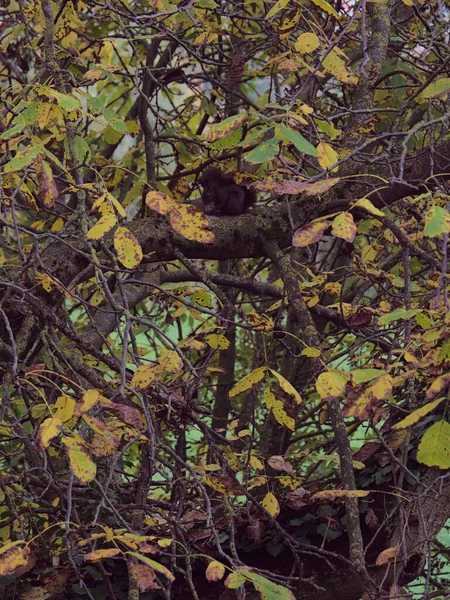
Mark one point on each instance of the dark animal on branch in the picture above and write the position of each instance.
(222, 196)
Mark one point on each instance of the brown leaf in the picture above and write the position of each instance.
(387, 555)
(255, 531)
(298, 498)
(127, 414)
(145, 577)
(278, 463)
(371, 519)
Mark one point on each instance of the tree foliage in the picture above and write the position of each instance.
(210, 407)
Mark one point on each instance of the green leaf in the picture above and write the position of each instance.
(437, 221)
(114, 121)
(265, 151)
(302, 145)
(440, 86)
(398, 314)
(434, 447)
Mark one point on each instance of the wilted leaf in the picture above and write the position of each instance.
(387, 555)
(276, 406)
(335, 65)
(235, 580)
(279, 463)
(47, 190)
(330, 495)
(170, 361)
(64, 408)
(127, 414)
(13, 555)
(369, 207)
(226, 127)
(438, 87)
(310, 234)
(145, 577)
(154, 565)
(89, 400)
(438, 386)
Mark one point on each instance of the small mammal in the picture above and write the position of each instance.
(222, 196)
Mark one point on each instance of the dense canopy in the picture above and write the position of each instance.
(198, 406)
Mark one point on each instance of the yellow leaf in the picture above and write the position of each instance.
(49, 429)
(103, 225)
(79, 459)
(217, 341)
(65, 406)
(89, 400)
(307, 43)
(286, 386)
(12, 558)
(331, 385)
(438, 385)
(128, 249)
(192, 224)
(120, 209)
(170, 361)
(336, 66)
(215, 571)
(277, 408)
(276, 8)
(57, 225)
(326, 7)
(144, 376)
(369, 207)
(326, 155)
(416, 415)
(270, 503)
(101, 554)
(247, 382)
(344, 227)
(255, 463)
